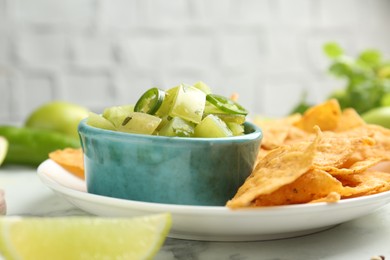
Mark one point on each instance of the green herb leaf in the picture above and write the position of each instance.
(370, 58)
(340, 69)
(366, 79)
(333, 50)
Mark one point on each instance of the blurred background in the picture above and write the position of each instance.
(99, 53)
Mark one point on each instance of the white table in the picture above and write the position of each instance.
(359, 239)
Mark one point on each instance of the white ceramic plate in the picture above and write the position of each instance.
(216, 223)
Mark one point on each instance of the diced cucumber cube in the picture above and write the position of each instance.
(189, 104)
(139, 123)
(212, 126)
(177, 127)
(98, 121)
(164, 120)
(231, 118)
(117, 114)
(202, 86)
(167, 103)
(237, 129)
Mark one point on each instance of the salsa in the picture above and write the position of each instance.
(181, 111)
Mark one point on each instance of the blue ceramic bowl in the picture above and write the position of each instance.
(173, 170)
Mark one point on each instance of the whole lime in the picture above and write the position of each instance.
(385, 100)
(59, 116)
(378, 116)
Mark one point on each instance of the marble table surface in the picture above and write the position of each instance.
(362, 238)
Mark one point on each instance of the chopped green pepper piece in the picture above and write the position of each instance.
(150, 101)
(32, 146)
(226, 105)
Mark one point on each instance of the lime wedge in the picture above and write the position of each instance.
(3, 149)
(83, 237)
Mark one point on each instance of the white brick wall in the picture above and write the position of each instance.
(106, 52)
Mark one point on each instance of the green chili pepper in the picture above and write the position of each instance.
(226, 105)
(150, 101)
(30, 146)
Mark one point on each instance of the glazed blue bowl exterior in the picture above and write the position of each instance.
(172, 170)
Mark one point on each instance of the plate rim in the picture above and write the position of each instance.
(219, 223)
(202, 210)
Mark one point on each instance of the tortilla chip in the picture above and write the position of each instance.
(313, 185)
(322, 156)
(279, 167)
(330, 198)
(325, 115)
(275, 131)
(70, 159)
(349, 119)
(369, 182)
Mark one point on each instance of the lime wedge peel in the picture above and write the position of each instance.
(3, 149)
(83, 237)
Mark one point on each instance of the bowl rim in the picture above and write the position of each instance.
(256, 134)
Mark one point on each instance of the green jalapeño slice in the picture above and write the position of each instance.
(225, 104)
(150, 101)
